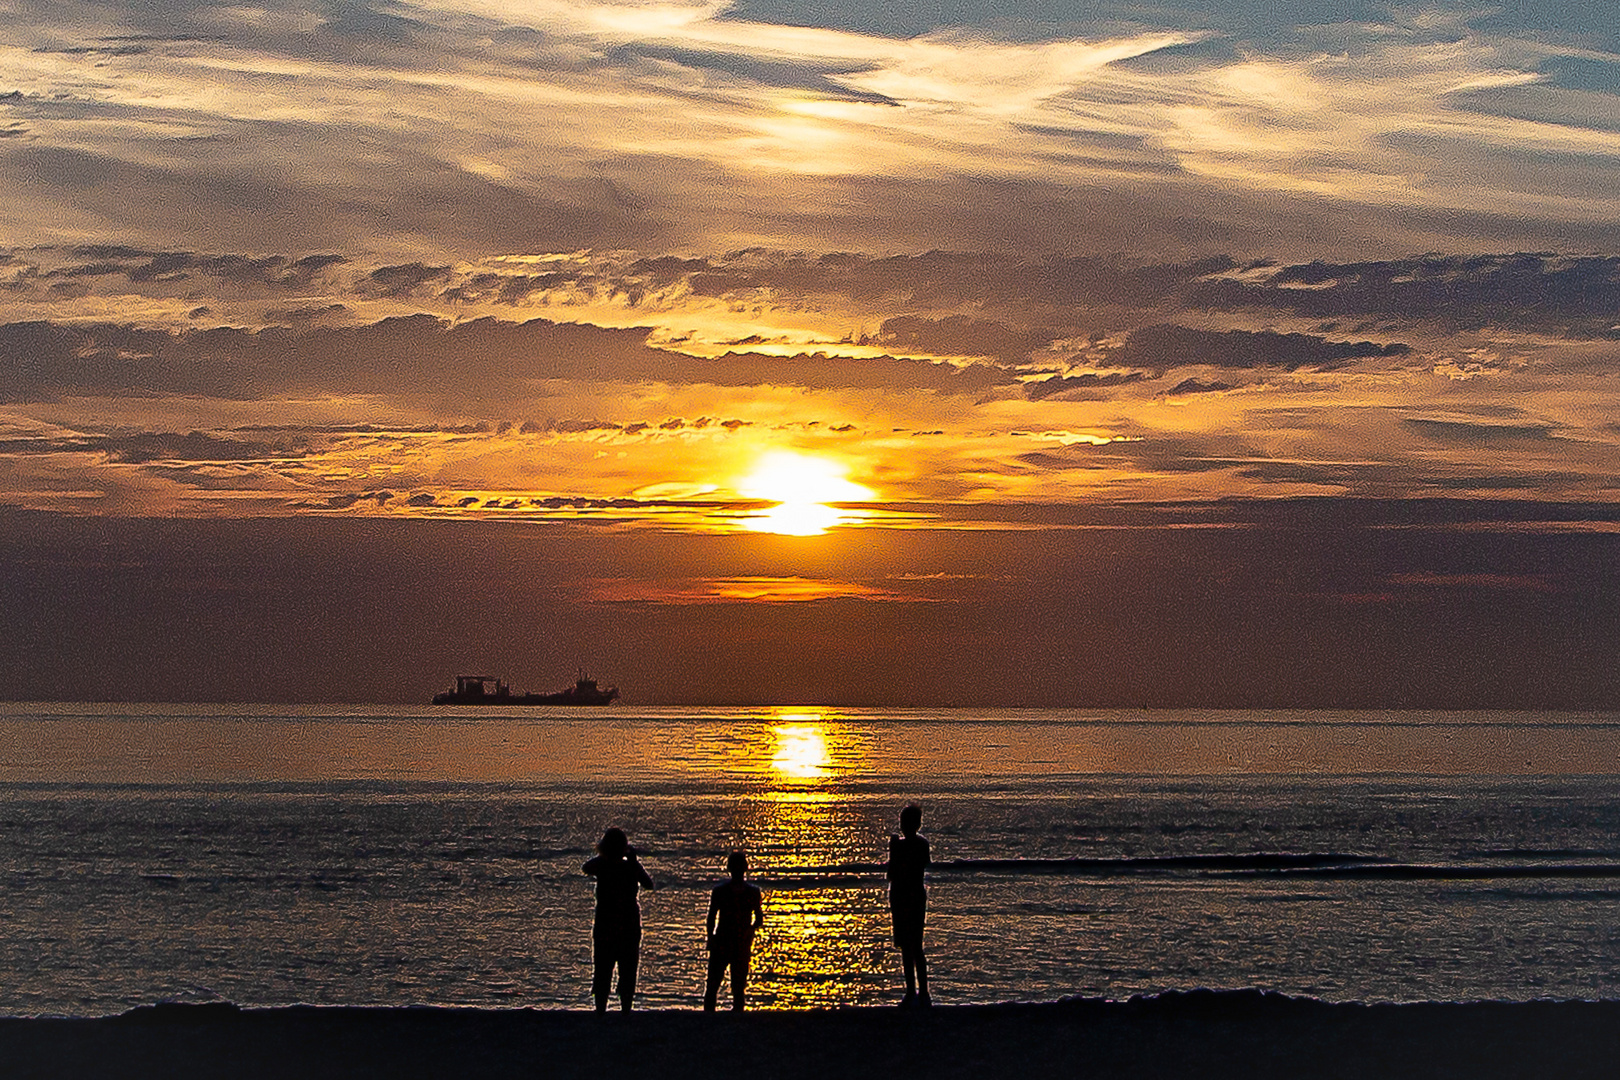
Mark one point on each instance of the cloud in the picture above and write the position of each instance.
(958, 335)
(213, 193)
(1003, 309)
(1478, 433)
(436, 130)
(307, 313)
(1197, 386)
(413, 354)
(742, 590)
(1360, 477)
(143, 267)
(1162, 453)
(1531, 482)
(144, 447)
(344, 502)
(1164, 346)
(1542, 290)
(1539, 583)
(948, 278)
(240, 383)
(1086, 383)
(397, 281)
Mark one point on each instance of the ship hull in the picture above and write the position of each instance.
(470, 690)
(562, 697)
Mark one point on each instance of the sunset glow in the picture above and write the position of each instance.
(878, 322)
(1094, 519)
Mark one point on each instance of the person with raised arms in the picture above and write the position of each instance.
(616, 933)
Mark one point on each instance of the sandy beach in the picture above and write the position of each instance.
(1183, 1035)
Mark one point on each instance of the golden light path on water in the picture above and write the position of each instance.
(815, 936)
(801, 750)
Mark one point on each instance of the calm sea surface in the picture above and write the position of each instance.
(271, 855)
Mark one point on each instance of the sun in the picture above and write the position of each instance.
(801, 486)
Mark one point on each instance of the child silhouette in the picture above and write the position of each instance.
(908, 902)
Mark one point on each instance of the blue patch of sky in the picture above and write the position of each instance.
(794, 76)
(1596, 22)
(363, 19)
(1177, 59)
(1583, 73)
(1044, 18)
(1591, 22)
(1539, 105)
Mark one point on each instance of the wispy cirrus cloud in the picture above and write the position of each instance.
(508, 126)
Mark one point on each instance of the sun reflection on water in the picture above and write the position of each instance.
(785, 785)
(818, 946)
(821, 939)
(801, 751)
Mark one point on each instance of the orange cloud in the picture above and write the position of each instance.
(738, 590)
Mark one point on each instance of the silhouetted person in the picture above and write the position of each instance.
(616, 935)
(735, 913)
(908, 902)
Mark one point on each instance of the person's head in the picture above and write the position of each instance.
(614, 842)
(911, 819)
(737, 865)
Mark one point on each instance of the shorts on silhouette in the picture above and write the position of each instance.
(908, 923)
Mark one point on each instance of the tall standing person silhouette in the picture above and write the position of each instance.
(616, 935)
(735, 915)
(908, 901)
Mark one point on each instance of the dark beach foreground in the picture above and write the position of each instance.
(1181, 1035)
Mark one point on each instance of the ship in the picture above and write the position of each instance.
(488, 690)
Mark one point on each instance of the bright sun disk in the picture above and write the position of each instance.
(801, 487)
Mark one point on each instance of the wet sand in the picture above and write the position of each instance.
(1184, 1036)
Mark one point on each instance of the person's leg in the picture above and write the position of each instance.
(602, 974)
(711, 989)
(921, 963)
(921, 959)
(908, 960)
(908, 938)
(628, 961)
(739, 981)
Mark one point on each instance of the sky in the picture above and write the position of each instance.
(1214, 352)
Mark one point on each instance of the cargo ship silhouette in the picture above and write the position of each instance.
(488, 690)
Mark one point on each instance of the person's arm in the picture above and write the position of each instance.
(927, 861)
(757, 915)
(641, 871)
(594, 866)
(888, 867)
(714, 913)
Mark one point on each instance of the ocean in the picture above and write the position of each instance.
(271, 855)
